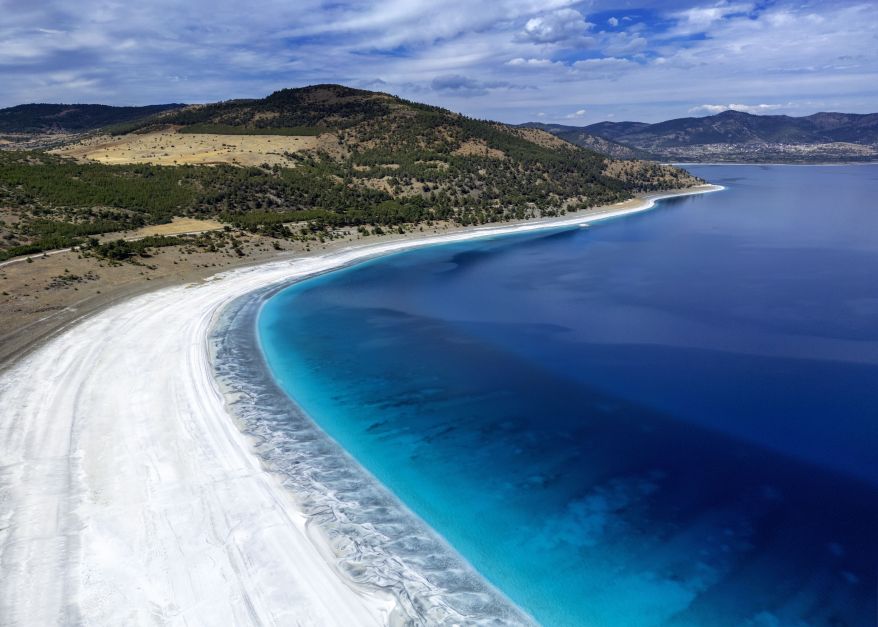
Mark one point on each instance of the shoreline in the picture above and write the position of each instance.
(131, 493)
(22, 339)
(758, 163)
(374, 540)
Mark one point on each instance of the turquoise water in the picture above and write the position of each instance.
(664, 419)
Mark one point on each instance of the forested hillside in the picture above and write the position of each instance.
(73, 118)
(579, 136)
(379, 161)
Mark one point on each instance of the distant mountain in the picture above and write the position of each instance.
(738, 136)
(74, 118)
(578, 136)
(736, 127)
(614, 130)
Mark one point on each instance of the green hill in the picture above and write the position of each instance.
(377, 160)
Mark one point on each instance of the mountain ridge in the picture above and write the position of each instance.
(742, 127)
(740, 136)
(72, 118)
(726, 136)
(579, 136)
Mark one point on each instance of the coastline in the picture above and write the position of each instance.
(168, 514)
(20, 333)
(374, 540)
(758, 163)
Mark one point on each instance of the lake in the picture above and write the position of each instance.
(667, 418)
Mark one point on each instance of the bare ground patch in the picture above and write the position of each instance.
(168, 147)
(478, 148)
(176, 226)
(537, 136)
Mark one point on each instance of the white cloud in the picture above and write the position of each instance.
(719, 108)
(576, 115)
(564, 25)
(533, 63)
(606, 67)
(504, 59)
(701, 19)
(468, 87)
(623, 44)
(397, 22)
(614, 22)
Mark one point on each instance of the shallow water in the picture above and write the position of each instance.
(664, 419)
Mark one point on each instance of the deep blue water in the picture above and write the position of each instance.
(669, 418)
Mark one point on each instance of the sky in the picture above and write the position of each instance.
(511, 60)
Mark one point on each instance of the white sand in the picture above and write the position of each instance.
(129, 496)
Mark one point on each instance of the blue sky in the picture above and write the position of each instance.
(512, 60)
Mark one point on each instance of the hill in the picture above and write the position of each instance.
(74, 118)
(580, 137)
(739, 136)
(614, 130)
(302, 163)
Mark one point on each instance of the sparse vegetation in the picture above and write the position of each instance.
(69, 279)
(228, 129)
(388, 163)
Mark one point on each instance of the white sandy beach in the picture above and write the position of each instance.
(128, 495)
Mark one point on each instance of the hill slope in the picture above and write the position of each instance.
(321, 158)
(378, 141)
(734, 135)
(62, 118)
(580, 137)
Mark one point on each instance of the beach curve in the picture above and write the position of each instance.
(130, 495)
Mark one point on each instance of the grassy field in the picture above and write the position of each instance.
(226, 129)
(175, 227)
(169, 147)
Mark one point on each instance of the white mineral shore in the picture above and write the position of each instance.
(128, 495)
